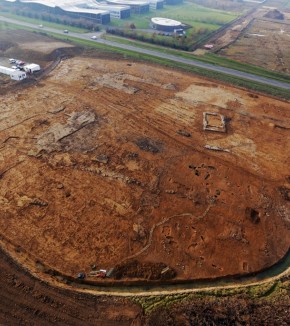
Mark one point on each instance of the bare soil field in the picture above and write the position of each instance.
(26, 301)
(225, 37)
(36, 47)
(107, 164)
(263, 43)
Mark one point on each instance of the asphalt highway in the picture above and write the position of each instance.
(272, 274)
(192, 62)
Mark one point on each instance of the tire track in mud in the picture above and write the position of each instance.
(269, 275)
(26, 300)
(150, 240)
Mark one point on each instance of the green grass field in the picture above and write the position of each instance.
(188, 13)
(236, 81)
(269, 90)
(207, 58)
(8, 26)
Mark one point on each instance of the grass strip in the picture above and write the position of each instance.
(208, 58)
(38, 22)
(236, 81)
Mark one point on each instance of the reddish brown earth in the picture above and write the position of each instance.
(106, 161)
(26, 301)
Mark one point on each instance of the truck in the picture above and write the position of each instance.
(31, 68)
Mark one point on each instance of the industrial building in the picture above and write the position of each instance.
(173, 2)
(137, 7)
(99, 16)
(68, 8)
(13, 73)
(116, 11)
(165, 24)
(156, 4)
(100, 12)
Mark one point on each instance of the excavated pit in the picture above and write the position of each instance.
(105, 163)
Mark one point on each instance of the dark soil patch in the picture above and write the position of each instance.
(5, 45)
(149, 145)
(146, 270)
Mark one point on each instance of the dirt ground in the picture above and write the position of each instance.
(264, 43)
(36, 47)
(256, 39)
(225, 37)
(26, 301)
(223, 311)
(105, 162)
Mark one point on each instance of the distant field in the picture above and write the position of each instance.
(265, 44)
(279, 4)
(188, 13)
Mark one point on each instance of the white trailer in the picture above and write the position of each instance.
(14, 74)
(31, 68)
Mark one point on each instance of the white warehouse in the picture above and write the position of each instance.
(14, 74)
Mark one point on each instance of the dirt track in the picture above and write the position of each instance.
(106, 160)
(26, 301)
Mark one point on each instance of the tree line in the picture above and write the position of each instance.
(180, 42)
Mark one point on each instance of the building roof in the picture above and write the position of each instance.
(83, 10)
(165, 22)
(130, 2)
(46, 3)
(92, 4)
(69, 5)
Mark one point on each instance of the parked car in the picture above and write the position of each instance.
(94, 37)
(20, 63)
(12, 60)
(65, 31)
(81, 276)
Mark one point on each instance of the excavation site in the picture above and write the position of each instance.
(117, 170)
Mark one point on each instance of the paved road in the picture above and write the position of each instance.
(228, 71)
(277, 271)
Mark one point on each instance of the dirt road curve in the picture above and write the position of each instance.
(26, 301)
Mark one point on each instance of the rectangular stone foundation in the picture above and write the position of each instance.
(214, 122)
